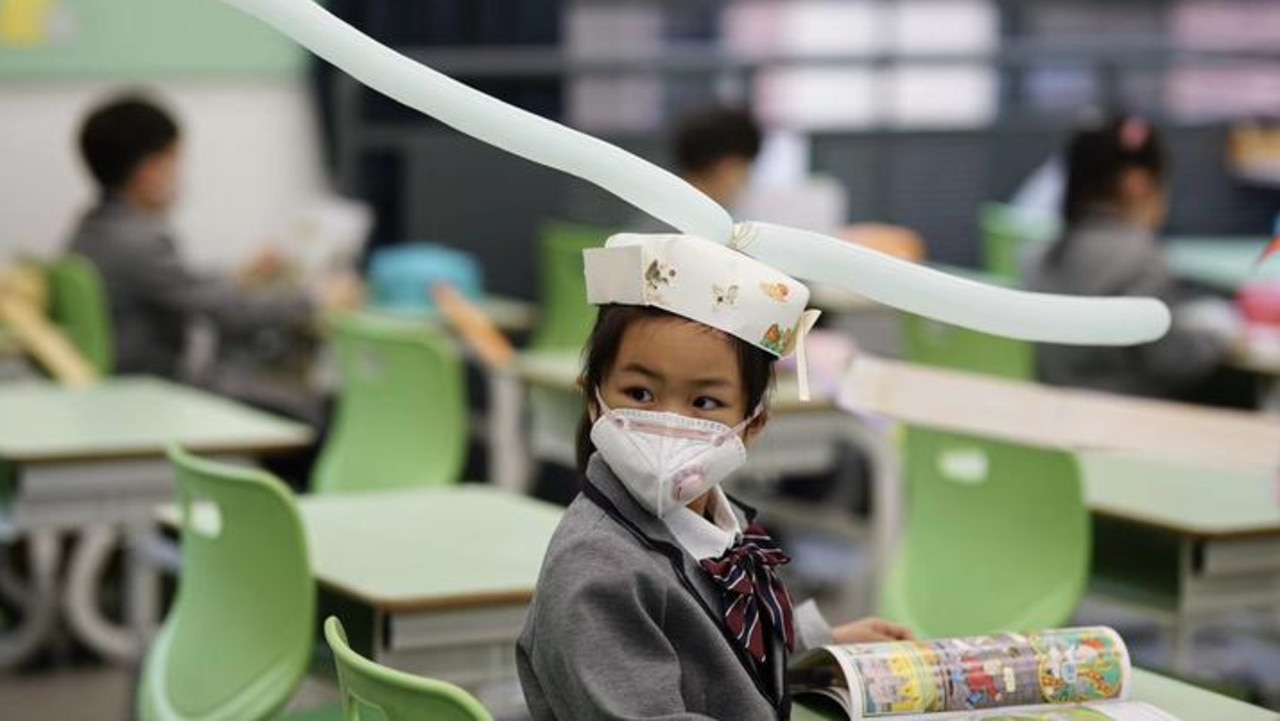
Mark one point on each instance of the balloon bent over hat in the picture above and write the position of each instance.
(729, 276)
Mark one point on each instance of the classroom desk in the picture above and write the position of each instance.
(1222, 264)
(1263, 361)
(799, 438)
(433, 582)
(1227, 525)
(1184, 701)
(91, 463)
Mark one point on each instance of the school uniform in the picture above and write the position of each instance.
(1107, 257)
(153, 296)
(626, 623)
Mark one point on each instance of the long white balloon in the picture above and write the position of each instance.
(637, 181)
(807, 255)
(921, 290)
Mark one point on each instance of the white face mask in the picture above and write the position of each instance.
(667, 460)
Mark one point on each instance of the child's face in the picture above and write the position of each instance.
(1144, 198)
(677, 366)
(154, 184)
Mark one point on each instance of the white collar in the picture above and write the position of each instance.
(703, 538)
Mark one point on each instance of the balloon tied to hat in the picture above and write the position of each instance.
(796, 253)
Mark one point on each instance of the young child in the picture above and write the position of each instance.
(658, 596)
(714, 150)
(132, 149)
(1116, 201)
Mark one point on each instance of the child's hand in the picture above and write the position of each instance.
(265, 268)
(871, 630)
(341, 292)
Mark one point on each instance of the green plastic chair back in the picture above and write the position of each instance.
(997, 537)
(566, 317)
(1004, 236)
(371, 692)
(78, 304)
(401, 417)
(239, 637)
(929, 342)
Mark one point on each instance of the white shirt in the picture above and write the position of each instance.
(701, 537)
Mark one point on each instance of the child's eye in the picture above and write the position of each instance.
(639, 395)
(707, 403)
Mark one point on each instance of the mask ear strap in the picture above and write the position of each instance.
(759, 410)
(604, 407)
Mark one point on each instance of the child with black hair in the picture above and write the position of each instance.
(714, 149)
(1115, 202)
(658, 596)
(132, 148)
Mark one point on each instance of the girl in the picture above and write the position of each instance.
(658, 596)
(1116, 200)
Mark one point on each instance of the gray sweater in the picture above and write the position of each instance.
(1107, 257)
(153, 295)
(614, 632)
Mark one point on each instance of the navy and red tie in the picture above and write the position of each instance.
(752, 596)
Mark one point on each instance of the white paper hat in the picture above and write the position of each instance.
(706, 282)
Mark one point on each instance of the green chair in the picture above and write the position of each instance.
(79, 305)
(371, 691)
(566, 317)
(1005, 235)
(929, 342)
(401, 417)
(239, 637)
(997, 537)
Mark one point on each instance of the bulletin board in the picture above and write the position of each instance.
(44, 40)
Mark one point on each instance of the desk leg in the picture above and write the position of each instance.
(40, 605)
(1269, 395)
(143, 596)
(81, 598)
(1183, 628)
(886, 497)
(12, 588)
(508, 455)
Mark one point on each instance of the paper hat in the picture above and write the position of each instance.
(703, 281)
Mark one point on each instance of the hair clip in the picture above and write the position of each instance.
(1134, 132)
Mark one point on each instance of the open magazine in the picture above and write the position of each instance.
(1078, 674)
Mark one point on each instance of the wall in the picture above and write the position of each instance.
(237, 86)
(251, 154)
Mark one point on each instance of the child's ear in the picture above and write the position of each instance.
(754, 427)
(593, 407)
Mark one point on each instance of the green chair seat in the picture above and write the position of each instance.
(401, 417)
(374, 692)
(79, 306)
(997, 537)
(566, 317)
(239, 637)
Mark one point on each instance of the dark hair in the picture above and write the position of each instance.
(706, 137)
(612, 321)
(118, 136)
(1097, 158)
